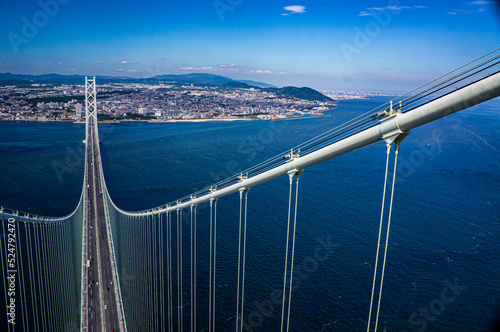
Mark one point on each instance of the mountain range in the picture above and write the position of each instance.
(196, 79)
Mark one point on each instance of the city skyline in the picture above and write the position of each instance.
(376, 45)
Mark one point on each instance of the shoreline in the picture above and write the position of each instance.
(182, 120)
(172, 121)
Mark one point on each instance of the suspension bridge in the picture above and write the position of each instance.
(105, 269)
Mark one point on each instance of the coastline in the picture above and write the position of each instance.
(182, 120)
(174, 121)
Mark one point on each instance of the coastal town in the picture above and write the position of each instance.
(159, 102)
(115, 102)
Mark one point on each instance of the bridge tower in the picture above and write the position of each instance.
(90, 101)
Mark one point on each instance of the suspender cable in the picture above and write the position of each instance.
(214, 285)
(191, 261)
(194, 271)
(145, 273)
(29, 273)
(55, 267)
(170, 281)
(210, 269)
(193, 267)
(153, 242)
(45, 261)
(63, 235)
(159, 294)
(181, 288)
(244, 260)
(179, 271)
(48, 262)
(239, 264)
(286, 252)
(40, 282)
(32, 279)
(133, 264)
(388, 229)
(161, 282)
(297, 177)
(149, 272)
(389, 140)
(379, 235)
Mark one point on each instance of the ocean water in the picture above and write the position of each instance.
(445, 224)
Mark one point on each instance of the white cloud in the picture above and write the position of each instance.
(132, 70)
(370, 10)
(294, 10)
(197, 68)
(230, 65)
(261, 72)
(124, 62)
(59, 62)
(99, 62)
(479, 3)
(472, 8)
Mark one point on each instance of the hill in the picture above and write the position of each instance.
(186, 79)
(258, 84)
(299, 93)
(238, 85)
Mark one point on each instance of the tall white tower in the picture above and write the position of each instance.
(90, 101)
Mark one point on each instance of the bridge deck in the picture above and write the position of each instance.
(103, 309)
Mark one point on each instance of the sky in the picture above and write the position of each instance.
(348, 45)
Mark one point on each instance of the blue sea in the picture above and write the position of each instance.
(443, 263)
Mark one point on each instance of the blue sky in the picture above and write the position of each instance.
(377, 45)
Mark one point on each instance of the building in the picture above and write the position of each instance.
(78, 109)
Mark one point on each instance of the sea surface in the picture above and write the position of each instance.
(443, 263)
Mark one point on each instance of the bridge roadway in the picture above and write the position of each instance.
(101, 297)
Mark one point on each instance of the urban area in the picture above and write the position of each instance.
(146, 102)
